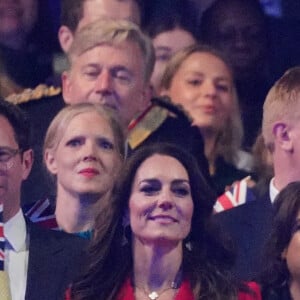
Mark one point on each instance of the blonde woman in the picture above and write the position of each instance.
(83, 150)
(199, 79)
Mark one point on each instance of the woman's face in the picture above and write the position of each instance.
(203, 86)
(291, 253)
(86, 159)
(161, 205)
(166, 44)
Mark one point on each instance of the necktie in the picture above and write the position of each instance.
(4, 286)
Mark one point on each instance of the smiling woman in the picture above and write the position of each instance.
(83, 149)
(155, 240)
(200, 79)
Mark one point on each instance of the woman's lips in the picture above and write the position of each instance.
(163, 219)
(209, 109)
(89, 172)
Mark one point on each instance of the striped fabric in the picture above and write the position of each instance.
(2, 241)
(238, 194)
(42, 213)
(4, 286)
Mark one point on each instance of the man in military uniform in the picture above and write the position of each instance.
(111, 62)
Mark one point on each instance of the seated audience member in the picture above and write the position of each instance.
(155, 241)
(199, 79)
(75, 14)
(171, 29)
(249, 225)
(111, 62)
(41, 263)
(238, 28)
(83, 149)
(280, 278)
(25, 49)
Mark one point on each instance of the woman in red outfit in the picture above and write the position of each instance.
(154, 240)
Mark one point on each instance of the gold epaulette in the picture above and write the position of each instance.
(145, 125)
(41, 91)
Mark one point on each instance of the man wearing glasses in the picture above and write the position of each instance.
(40, 263)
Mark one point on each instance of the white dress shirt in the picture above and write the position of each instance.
(16, 255)
(273, 191)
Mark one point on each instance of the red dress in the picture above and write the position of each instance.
(184, 292)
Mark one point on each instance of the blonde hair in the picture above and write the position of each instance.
(281, 103)
(61, 121)
(113, 32)
(230, 137)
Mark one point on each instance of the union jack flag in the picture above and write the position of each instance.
(42, 213)
(238, 194)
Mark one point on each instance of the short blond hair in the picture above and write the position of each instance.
(58, 126)
(281, 103)
(113, 32)
(230, 138)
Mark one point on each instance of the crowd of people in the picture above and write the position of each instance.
(153, 155)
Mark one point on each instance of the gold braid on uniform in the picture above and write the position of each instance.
(161, 108)
(42, 90)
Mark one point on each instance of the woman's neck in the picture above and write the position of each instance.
(156, 267)
(75, 213)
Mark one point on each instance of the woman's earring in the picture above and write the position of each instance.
(188, 245)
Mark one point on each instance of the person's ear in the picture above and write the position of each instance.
(65, 37)
(50, 162)
(66, 86)
(27, 162)
(282, 135)
(284, 253)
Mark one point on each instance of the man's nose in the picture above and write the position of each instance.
(104, 82)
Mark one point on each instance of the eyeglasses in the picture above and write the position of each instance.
(7, 153)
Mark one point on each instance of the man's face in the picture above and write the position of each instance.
(240, 34)
(95, 9)
(112, 75)
(13, 171)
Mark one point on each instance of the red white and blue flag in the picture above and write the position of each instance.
(238, 194)
(42, 213)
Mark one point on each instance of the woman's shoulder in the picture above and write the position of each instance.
(250, 291)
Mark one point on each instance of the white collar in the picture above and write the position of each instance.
(15, 232)
(273, 191)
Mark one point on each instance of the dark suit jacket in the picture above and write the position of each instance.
(54, 262)
(40, 112)
(248, 226)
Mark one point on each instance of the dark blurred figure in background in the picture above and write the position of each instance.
(26, 41)
(239, 29)
(77, 13)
